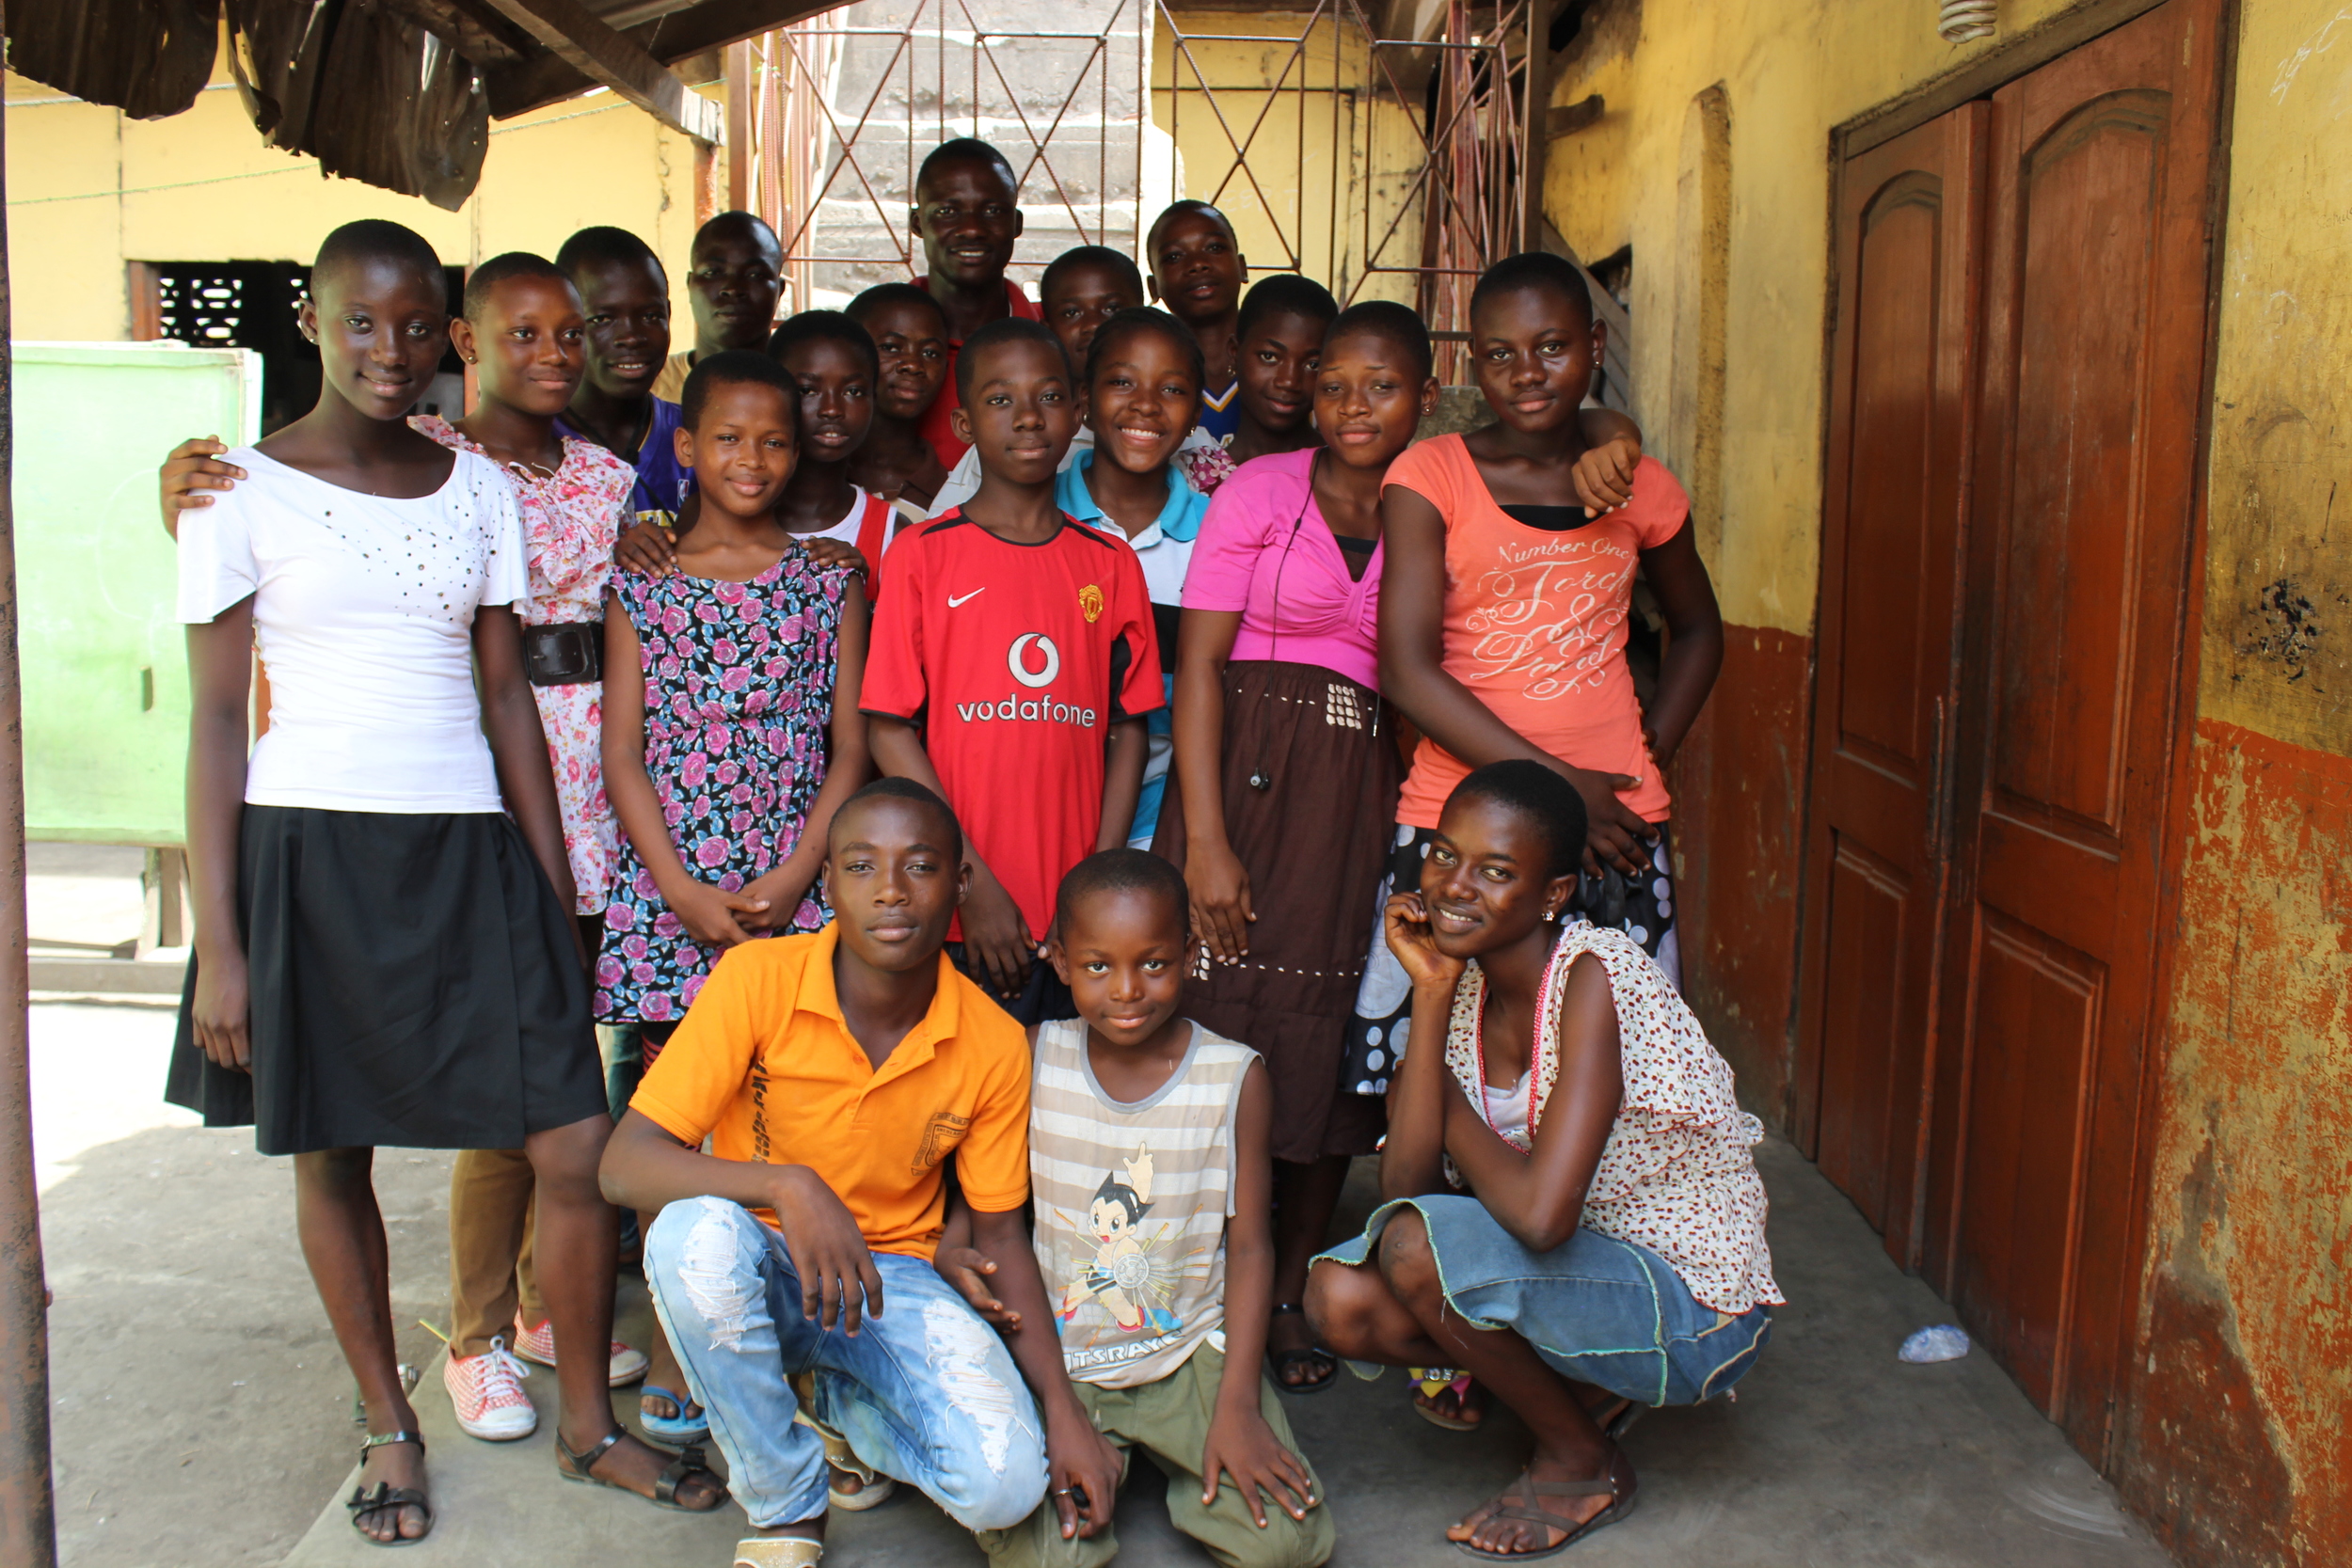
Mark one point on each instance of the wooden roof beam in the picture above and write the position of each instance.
(593, 53)
(679, 36)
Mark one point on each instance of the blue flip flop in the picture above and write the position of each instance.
(673, 1430)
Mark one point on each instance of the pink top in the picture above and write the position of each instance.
(1534, 624)
(1263, 523)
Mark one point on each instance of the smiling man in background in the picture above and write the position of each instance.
(967, 214)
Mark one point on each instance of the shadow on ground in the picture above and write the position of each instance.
(204, 1417)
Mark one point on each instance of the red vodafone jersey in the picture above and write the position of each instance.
(1016, 659)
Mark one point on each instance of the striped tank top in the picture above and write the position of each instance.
(1131, 1200)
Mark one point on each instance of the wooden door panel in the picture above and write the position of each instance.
(2035, 1007)
(2077, 590)
(1908, 237)
(2090, 194)
(1880, 717)
(1870, 908)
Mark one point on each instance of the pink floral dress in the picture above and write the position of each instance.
(571, 520)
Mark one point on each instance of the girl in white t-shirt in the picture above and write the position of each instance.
(384, 955)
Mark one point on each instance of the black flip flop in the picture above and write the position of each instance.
(383, 1494)
(1280, 1361)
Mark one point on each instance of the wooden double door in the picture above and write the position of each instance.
(2009, 560)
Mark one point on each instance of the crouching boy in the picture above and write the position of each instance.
(833, 1073)
(1148, 1154)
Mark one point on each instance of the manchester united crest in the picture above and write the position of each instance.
(1091, 603)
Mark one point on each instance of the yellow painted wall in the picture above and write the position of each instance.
(1281, 198)
(89, 190)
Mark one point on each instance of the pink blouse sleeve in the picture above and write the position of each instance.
(1232, 532)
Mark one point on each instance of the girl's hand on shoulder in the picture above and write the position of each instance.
(1406, 924)
(834, 552)
(1614, 833)
(1220, 901)
(222, 1011)
(708, 913)
(1245, 1449)
(646, 548)
(966, 1270)
(1604, 475)
(189, 476)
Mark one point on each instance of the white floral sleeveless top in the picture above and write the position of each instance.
(1676, 1175)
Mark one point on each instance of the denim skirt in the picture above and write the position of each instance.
(1599, 1310)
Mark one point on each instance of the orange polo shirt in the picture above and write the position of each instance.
(765, 1068)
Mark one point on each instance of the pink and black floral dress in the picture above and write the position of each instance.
(739, 709)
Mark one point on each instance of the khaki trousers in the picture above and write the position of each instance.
(490, 1227)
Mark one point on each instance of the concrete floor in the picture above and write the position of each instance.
(202, 1415)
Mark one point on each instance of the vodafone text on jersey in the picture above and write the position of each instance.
(1030, 648)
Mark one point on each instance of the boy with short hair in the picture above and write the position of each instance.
(734, 275)
(910, 336)
(967, 215)
(625, 300)
(833, 1074)
(1149, 1162)
(1021, 642)
(1197, 270)
(1083, 286)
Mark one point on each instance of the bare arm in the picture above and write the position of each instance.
(518, 744)
(1078, 1459)
(220, 676)
(1539, 1197)
(1413, 674)
(1240, 1444)
(647, 1168)
(1220, 890)
(1694, 641)
(708, 912)
(1122, 782)
(1412, 1161)
(995, 935)
(845, 769)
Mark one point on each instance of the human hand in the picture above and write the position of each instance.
(1404, 922)
(834, 552)
(1242, 1446)
(1220, 901)
(1614, 833)
(838, 1280)
(189, 476)
(1604, 475)
(995, 937)
(646, 548)
(1083, 1468)
(781, 891)
(222, 1010)
(966, 1270)
(708, 913)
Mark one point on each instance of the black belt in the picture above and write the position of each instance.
(570, 653)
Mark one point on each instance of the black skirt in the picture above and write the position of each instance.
(415, 984)
(1314, 846)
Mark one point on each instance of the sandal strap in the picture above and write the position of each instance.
(688, 1464)
(585, 1460)
(386, 1439)
(383, 1494)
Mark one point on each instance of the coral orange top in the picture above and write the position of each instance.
(1534, 624)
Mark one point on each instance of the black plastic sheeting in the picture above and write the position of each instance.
(364, 90)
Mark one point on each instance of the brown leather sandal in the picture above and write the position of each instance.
(382, 1495)
(1616, 1484)
(686, 1466)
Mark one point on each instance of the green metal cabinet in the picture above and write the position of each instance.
(105, 658)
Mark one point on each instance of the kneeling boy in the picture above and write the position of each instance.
(834, 1072)
(1148, 1156)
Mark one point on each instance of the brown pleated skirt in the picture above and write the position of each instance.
(1314, 845)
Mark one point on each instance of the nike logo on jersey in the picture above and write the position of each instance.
(952, 602)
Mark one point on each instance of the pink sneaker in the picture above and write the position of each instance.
(488, 1393)
(538, 1345)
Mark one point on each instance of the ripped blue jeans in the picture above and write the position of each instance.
(926, 1393)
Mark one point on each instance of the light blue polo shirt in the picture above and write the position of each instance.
(1165, 549)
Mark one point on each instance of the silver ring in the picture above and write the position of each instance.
(1063, 1491)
